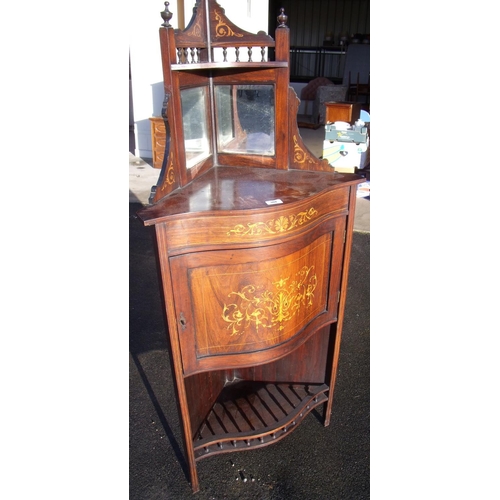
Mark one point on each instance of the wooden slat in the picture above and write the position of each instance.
(254, 414)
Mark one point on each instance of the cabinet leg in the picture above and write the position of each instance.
(193, 473)
(195, 485)
(327, 412)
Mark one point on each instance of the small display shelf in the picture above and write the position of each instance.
(254, 414)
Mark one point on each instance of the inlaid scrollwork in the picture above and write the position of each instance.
(299, 155)
(196, 30)
(282, 224)
(261, 308)
(222, 29)
(169, 176)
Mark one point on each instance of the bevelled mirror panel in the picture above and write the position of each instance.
(245, 119)
(194, 119)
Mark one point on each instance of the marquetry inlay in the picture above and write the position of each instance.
(170, 174)
(197, 32)
(282, 224)
(255, 305)
(222, 29)
(300, 156)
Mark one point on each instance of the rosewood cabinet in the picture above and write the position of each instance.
(253, 236)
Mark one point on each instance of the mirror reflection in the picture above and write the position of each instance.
(245, 119)
(194, 113)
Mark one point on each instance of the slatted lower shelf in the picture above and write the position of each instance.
(253, 414)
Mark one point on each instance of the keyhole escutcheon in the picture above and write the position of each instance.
(182, 321)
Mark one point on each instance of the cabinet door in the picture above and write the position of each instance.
(238, 307)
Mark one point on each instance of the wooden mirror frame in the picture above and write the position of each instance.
(199, 56)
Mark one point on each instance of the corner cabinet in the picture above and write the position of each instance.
(253, 239)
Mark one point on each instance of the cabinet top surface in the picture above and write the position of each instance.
(229, 189)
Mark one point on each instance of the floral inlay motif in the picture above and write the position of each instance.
(274, 226)
(270, 308)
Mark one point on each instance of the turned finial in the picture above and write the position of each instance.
(282, 18)
(166, 15)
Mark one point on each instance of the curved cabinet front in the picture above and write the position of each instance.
(249, 227)
(242, 307)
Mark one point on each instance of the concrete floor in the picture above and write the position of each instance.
(143, 176)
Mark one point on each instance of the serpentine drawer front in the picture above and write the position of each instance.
(262, 302)
(261, 226)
